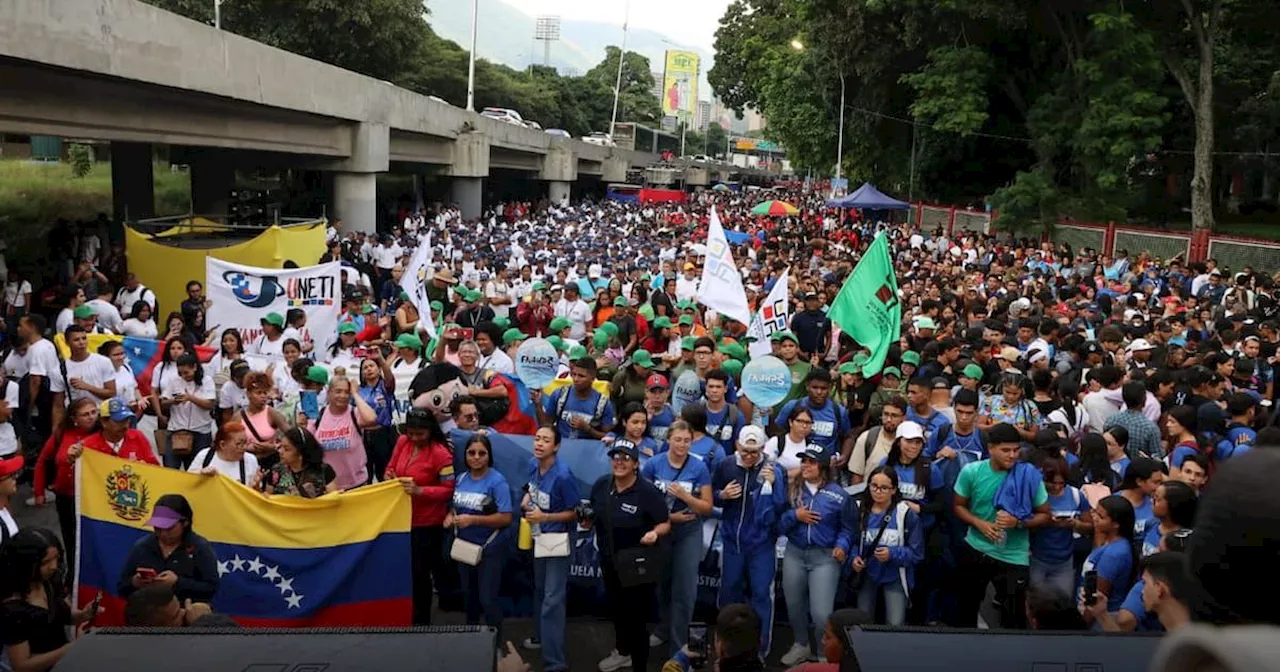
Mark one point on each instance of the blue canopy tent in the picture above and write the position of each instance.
(867, 197)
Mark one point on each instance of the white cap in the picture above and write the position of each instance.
(752, 436)
(593, 271)
(910, 430)
(1140, 344)
(1037, 355)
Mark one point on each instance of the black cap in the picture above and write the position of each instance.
(941, 383)
(625, 447)
(813, 454)
(1091, 348)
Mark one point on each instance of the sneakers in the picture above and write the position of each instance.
(531, 644)
(49, 498)
(798, 653)
(614, 661)
(655, 640)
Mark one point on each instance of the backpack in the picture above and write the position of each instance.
(563, 399)
(873, 435)
(840, 419)
(944, 433)
(208, 460)
(730, 420)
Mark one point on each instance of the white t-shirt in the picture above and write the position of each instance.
(126, 384)
(108, 316)
(232, 396)
(65, 316)
(125, 298)
(493, 289)
(95, 370)
(138, 328)
(16, 364)
(268, 348)
(186, 415)
(686, 288)
(384, 257)
(577, 313)
(9, 439)
(15, 293)
(498, 362)
(229, 469)
(163, 377)
(789, 458)
(89, 248)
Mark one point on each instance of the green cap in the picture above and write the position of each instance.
(472, 295)
(600, 339)
(83, 312)
(560, 324)
(318, 375)
(734, 351)
(275, 319)
(436, 305)
(732, 367)
(610, 328)
(861, 359)
(409, 341)
(556, 342)
(662, 322)
(785, 335)
(686, 343)
(512, 335)
(911, 357)
(539, 286)
(849, 367)
(925, 323)
(347, 328)
(577, 352)
(775, 336)
(502, 323)
(642, 358)
(686, 320)
(684, 304)
(620, 302)
(891, 371)
(972, 371)
(368, 308)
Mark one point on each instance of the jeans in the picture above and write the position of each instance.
(1060, 577)
(480, 584)
(810, 578)
(976, 571)
(199, 441)
(748, 577)
(895, 601)
(679, 591)
(550, 581)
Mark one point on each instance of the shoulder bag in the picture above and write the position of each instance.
(551, 544)
(639, 565)
(856, 578)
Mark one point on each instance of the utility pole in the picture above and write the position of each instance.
(622, 56)
(471, 60)
(217, 14)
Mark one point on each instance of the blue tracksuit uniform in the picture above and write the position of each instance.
(906, 550)
(830, 423)
(838, 527)
(749, 536)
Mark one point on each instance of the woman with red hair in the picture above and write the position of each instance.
(229, 456)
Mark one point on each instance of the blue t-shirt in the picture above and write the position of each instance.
(706, 449)
(931, 423)
(720, 429)
(1143, 518)
(1151, 540)
(1113, 562)
(1053, 545)
(1180, 454)
(556, 491)
(489, 494)
(576, 407)
(376, 396)
(1133, 604)
(1120, 465)
(830, 422)
(660, 423)
(690, 477)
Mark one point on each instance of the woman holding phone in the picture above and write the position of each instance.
(188, 402)
(173, 555)
(548, 504)
(34, 615)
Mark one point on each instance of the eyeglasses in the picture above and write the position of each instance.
(882, 488)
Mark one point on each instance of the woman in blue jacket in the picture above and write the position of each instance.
(687, 485)
(750, 494)
(481, 515)
(821, 525)
(549, 500)
(892, 545)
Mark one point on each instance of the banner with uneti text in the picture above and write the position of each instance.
(339, 560)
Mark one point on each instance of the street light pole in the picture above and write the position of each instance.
(217, 14)
(840, 141)
(471, 60)
(622, 55)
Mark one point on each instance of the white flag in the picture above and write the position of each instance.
(773, 315)
(414, 282)
(721, 287)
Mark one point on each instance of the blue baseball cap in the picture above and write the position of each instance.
(116, 410)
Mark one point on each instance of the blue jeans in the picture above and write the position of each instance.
(679, 591)
(1060, 577)
(550, 578)
(748, 577)
(480, 585)
(810, 578)
(895, 601)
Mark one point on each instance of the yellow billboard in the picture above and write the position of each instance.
(680, 85)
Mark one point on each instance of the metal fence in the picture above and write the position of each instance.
(1236, 254)
(1079, 237)
(1160, 245)
(972, 220)
(932, 217)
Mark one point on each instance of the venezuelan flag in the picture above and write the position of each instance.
(142, 354)
(339, 560)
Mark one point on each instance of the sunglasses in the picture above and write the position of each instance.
(477, 453)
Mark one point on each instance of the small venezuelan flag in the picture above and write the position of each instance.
(339, 560)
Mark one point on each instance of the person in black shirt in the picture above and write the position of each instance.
(34, 614)
(627, 512)
(178, 556)
(812, 328)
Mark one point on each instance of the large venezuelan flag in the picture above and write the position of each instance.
(339, 560)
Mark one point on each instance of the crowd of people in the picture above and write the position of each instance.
(1045, 426)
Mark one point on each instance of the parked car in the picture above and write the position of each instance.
(701, 158)
(559, 132)
(533, 124)
(504, 115)
(602, 139)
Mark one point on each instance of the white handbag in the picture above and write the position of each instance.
(551, 545)
(468, 553)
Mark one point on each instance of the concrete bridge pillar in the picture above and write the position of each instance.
(468, 194)
(213, 178)
(355, 201)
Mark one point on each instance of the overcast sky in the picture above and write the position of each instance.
(687, 22)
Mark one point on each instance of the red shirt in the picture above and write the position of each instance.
(431, 468)
(134, 447)
(64, 476)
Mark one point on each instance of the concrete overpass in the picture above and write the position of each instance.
(127, 72)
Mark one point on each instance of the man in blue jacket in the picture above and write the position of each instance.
(750, 494)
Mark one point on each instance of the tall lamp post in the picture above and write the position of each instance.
(622, 56)
(471, 59)
(217, 14)
(799, 46)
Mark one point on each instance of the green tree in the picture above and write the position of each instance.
(636, 101)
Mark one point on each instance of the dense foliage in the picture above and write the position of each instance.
(392, 40)
(1091, 108)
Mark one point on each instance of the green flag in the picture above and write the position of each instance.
(867, 307)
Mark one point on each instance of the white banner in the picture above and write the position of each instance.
(721, 287)
(414, 282)
(242, 295)
(773, 315)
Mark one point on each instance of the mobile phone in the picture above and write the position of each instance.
(146, 572)
(1090, 587)
(696, 642)
(93, 606)
(310, 402)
